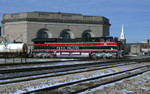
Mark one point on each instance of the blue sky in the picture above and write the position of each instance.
(133, 14)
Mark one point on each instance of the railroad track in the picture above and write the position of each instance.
(57, 61)
(83, 85)
(22, 78)
(13, 70)
(55, 69)
(24, 72)
(76, 69)
(39, 62)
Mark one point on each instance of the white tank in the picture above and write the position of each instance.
(13, 47)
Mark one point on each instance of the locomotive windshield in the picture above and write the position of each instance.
(107, 39)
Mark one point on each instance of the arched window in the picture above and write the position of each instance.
(43, 33)
(66, 34)
(87, 34)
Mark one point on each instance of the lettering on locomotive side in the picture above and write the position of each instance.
(60, 47)
(68, 47)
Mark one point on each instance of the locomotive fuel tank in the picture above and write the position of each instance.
(13, 47)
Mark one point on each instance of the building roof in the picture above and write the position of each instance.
(55, 17)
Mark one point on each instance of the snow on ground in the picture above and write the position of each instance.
(136, 85)
(43, 83)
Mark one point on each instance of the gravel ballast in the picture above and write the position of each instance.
(116, 87)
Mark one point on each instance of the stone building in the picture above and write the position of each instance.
(28, 25)
(135, 49)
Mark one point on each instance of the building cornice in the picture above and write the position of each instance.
(54, 21)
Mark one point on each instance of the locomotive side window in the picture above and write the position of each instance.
(106, 39)
(102, 40)
(109, 39)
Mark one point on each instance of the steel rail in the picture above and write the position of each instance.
(64, 66)
(11, 79)
(91, 79)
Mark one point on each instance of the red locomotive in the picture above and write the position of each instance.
(96, 47)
